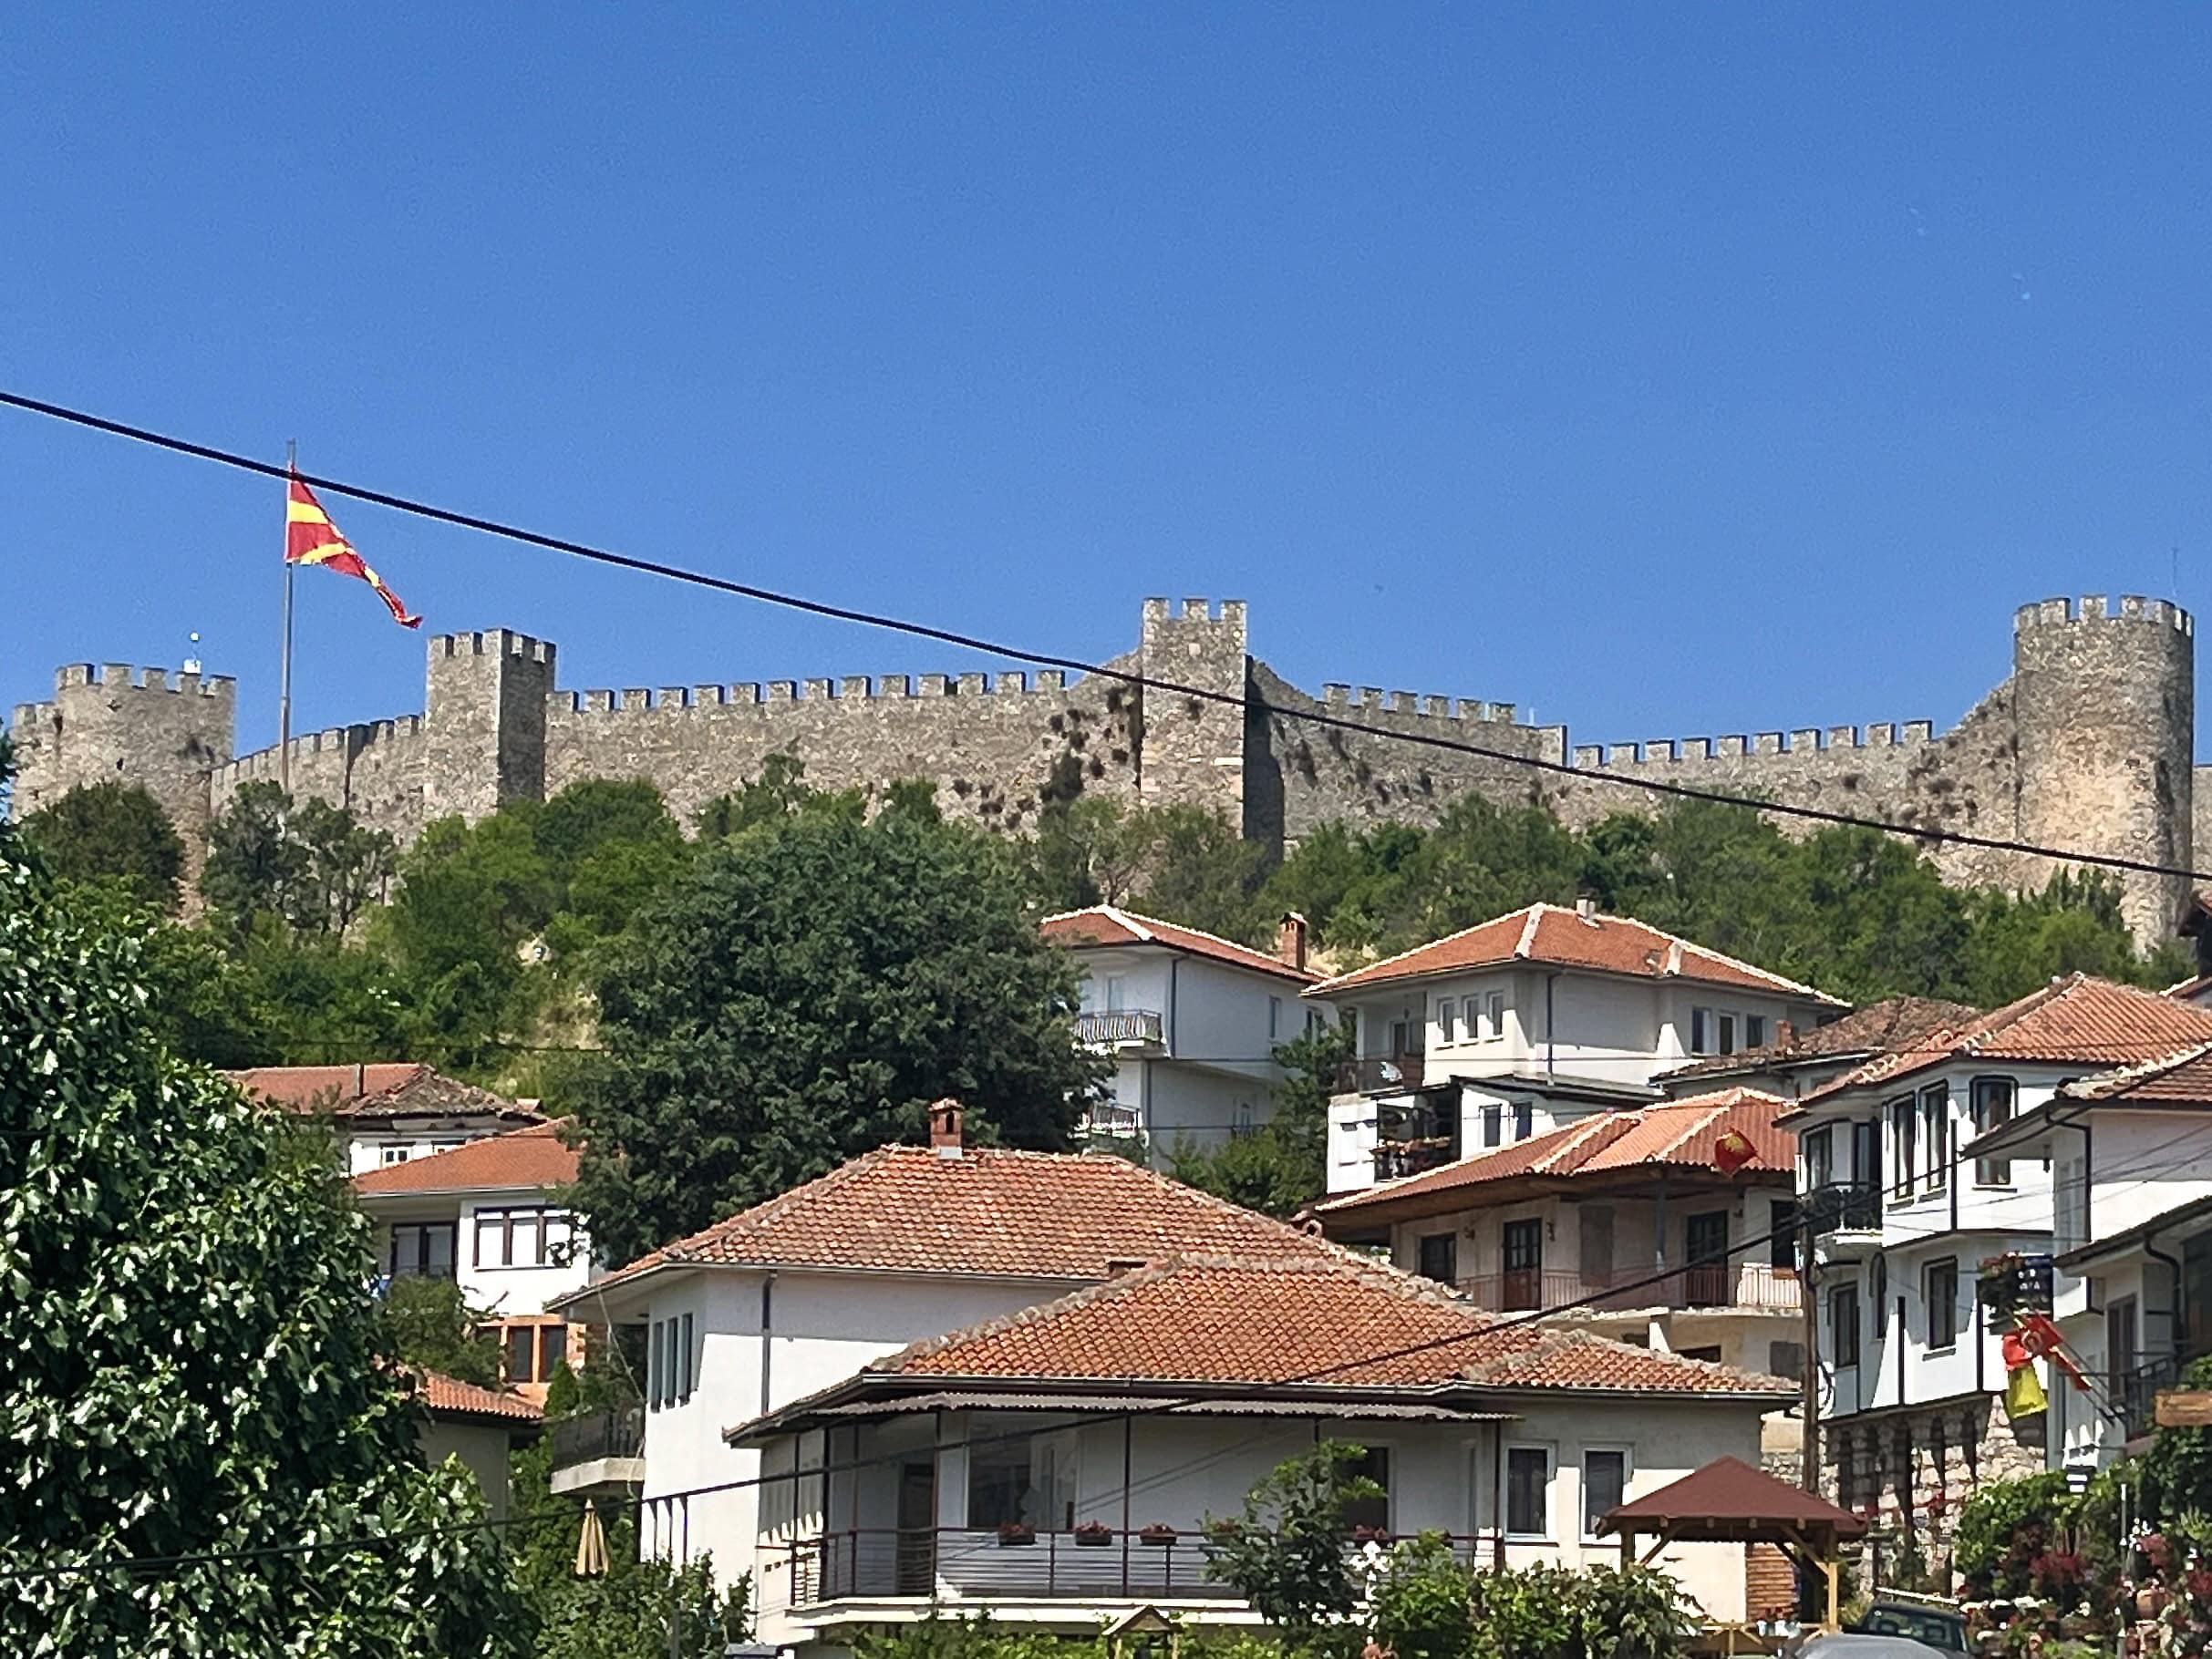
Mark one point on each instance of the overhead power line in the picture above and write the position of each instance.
(999, 648)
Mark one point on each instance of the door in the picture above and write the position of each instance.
(916, 1563)
(1708, 1283)
(1596, 1229)
(1522, 1288)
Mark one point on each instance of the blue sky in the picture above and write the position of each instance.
(1674, 371)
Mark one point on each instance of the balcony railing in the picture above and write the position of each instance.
(956, 1563)
(1847, 1206)
(2134, 1394)
(1121, 1025)
(617, 1432)
(1751, 1286)
(1378, 1072)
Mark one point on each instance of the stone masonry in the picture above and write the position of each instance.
(2089, 744)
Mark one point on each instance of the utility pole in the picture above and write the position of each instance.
(1809, 1385)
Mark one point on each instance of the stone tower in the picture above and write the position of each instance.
(161, 731)
(1192, 748)
(483, 722)
(2104, 701)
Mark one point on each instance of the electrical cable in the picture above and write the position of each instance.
(990, 647)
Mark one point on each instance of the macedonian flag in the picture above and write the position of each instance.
(310, 538)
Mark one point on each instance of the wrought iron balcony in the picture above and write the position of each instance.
(2134, 1394)
(601, 1452)
(1843, 1206)
(1120, 1027)
(1751, 1286)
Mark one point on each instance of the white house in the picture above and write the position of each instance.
(1905, 1212)
(1191, 1021)
(2132, 1237)
(1510, 1029)
(794, 1294)
(1057, 1468)
(1626, 1221)
(388, 1113)
(1797, 1060)
(488, 1215)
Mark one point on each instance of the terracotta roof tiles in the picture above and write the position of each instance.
(1330, 1320)
(1892, 1022)
(383, 1089)
(450, 1396)
(1107, 925)
(1557, 937)
(536, 1157)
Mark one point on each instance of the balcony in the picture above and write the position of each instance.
(1380, 1074)
(1845, 1216)
(1751, 1287)
(2134, 1394)
(953, 1565)
(599, 1454)
(1120, 1028)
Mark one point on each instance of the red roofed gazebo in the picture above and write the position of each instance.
(1730, 1503)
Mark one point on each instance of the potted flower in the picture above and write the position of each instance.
(1156, 1532)
(1014, 1533)
(1371, 1535)
(1093, 1534)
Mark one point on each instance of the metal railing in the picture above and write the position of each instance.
(1378, 1072)
(617, 1432)
(1843, 1206)
(2134, 1394)
(1751, 1285)
(984, 1564)
(1121, 1025)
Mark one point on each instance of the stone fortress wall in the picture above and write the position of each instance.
(2089, 744)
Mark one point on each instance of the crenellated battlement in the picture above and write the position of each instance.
(849, 688)
(493, 642)
(2093, 608)
(1804, 740)
(116, 677)
(1375, 700)
(346, 741)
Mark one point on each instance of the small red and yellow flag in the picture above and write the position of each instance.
(1732, 1150)
(310, 538)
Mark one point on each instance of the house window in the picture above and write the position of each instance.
(1903, 1145)
(1440, 1257)
(1117, 992)
(1819, 1146)
(1843, 1325)
(1596, 1229)
(686, 1367)
(1528, 1479)
(2196, 1312)
(669, 1372)
(1447, 1021)
(1782, 1231)
(521, 1238)
(531, 1351)
(1497, 1014)
(1275, 1019)
(423, 1249)
(1472, 1022)
(1942, 1293)
(1523, 1119)
(1754, 1031)
(394, 1154)
(1028, 1478)
(1494, 1125)
(1605, 1484)
(1786, 1359)
(1936, 1134)
(1992, 1098)
(2121, 1353)
(1374, 1465)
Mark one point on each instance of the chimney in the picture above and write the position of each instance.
(945, 1128)
(1585, 906)
(1290, 940)
(1784, 1033)
(360, 1078)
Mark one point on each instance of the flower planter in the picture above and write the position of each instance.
(1014, 1537)
(1157, 1535)
(1093, 1536)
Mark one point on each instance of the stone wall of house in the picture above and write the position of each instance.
(1911, 1471)
(2089, 744)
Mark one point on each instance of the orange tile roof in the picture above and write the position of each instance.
(450, 1396)
(393, 1089)
(2182, 1079)
(990, 1212)
(1334, 1320)
(2075, 1020)
(1106, 924)
(1892, 1022)
(534, 1156)
(1678, 1134)
(1557, 937)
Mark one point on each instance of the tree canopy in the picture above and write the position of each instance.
(801, 994)
(113, 832)
(195, 1366)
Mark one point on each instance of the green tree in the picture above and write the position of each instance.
(802, 995)
(111, 832)
(433, 1326)
(470, 896)
(1200, 871)
(1286, 1554)
(344, 866)
(254, 862)
(195, 1365)
(1420, 1601)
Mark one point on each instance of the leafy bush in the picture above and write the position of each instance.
(1632, 1613)
(2007, 1526)
(1421, 1603)
(1286, 1554)
(1530, 1613)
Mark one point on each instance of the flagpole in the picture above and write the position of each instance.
(284, 704)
